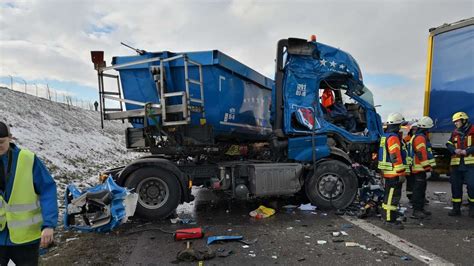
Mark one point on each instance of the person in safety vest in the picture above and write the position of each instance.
(410, 178)
(28, 203)
(461, 146)
(422, 161)
(393, 166)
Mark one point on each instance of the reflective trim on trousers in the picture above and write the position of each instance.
(389, 207)
(456, 200)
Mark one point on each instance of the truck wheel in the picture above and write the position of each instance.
(333, 185)
(158, 192)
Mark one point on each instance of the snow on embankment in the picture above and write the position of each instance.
(68, 139)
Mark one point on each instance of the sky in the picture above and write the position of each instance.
(47, 43)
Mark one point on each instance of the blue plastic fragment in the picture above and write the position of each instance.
(213, 239)
(405, 258)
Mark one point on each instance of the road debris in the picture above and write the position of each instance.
(321, 242)
(307, 207)
(352, 244)
(189, 254)
(100, 208)
(336, 234)
(213, 239)
(262, 212)
(289, 206)
(406, 258)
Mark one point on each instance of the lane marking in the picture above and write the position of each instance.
(400, 243)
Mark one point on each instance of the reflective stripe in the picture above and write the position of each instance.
(470, 200)
(419, 146)
(389, 207)
(38, 218)
(393, 147)
(23, 207)
(449, 142)
(469, 159)
(469, 141)
(456, 200)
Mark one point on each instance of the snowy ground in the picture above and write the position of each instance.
(68, 139)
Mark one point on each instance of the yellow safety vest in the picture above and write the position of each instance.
(22, 213)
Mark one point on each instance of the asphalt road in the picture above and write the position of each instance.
(290, 237)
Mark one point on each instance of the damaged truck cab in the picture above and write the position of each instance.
(208, 120)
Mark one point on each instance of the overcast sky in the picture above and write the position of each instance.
(49, 42)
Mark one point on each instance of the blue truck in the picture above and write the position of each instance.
(208, 120)
(449, 83)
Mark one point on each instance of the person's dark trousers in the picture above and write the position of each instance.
(419, 191)
(393, 193)
(409, 186)
(20, 255)
(459, 176)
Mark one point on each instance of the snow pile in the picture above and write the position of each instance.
(68, 139)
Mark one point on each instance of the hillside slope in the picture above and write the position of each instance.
(68, 139)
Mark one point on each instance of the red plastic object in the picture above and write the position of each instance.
(189, 233)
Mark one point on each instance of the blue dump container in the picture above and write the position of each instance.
(236, 98)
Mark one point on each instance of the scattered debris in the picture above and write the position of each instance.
(344, 233)
(439, 193)
(336, 234)
(289, 228)
(307, 207)
(252, 255)
(221, 252)
(307, 237)
(466, 239)
(71, 239)
(289, 206)
(213, 239)
(249, 242)
(188, 233)
(262, 212)
(301, 259)
(189, 254)
(274, 257)
(352, 244)
(448, 208)
(321, 242)
(405, 258)
(100, 208)
(245, 246)
(347, 226)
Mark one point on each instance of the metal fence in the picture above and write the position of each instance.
(44, 91)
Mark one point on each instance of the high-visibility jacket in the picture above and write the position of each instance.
(392, 156)
(421, 154)
(463, 142)
(22, 213)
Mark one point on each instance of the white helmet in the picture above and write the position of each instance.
(425, 122)
(395, 119)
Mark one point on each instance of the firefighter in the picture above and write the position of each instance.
(422, 161)
(410, 178)
(462, 162)
(393, 165)
(28, 203)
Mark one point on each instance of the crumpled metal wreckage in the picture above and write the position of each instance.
(98, 209)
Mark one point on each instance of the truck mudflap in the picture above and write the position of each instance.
(98, 209)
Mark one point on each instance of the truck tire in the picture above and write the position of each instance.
(332, 176)
(158, 192)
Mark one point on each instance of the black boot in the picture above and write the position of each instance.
(456, 211)
(471, 209)
(418, 214)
